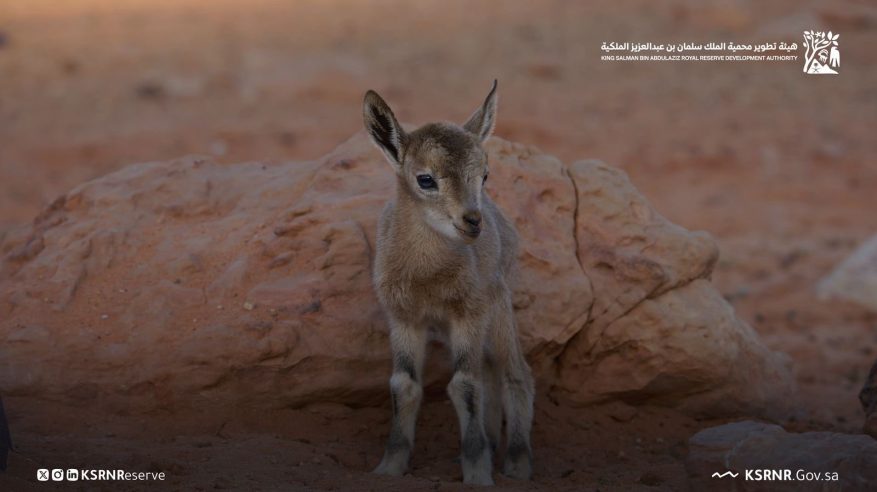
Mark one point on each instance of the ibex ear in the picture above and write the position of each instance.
(481, 122)
(383, 128)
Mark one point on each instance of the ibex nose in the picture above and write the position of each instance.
(473, 218)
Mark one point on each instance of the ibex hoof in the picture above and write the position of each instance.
(520, 469)
(391, 468)
(478, 478)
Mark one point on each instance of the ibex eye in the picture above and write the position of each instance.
(485, 178)
(426, 182)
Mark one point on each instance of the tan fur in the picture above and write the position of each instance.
(444, 260)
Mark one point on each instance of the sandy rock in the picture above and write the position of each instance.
(186, 283)
(685, 342)
(855, 278)
(752, 445)
(629, 251)
(657, 329)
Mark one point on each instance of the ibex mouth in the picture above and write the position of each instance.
(469, 232)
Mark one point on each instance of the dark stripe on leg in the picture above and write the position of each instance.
(518, 448)
(469, 398)
(462, 363)
(403, 363)
(473, 444)
(397, 442)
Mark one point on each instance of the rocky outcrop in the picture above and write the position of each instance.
(855, 278)
(189, 283)
(806, 461)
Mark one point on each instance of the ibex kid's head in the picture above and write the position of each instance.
(442, 166)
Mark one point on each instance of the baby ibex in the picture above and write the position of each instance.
(443, 265)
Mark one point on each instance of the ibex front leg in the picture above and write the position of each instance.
(408, 343)
(466, 390)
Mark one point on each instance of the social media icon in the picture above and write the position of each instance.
(57, 475)
(43, 475)
(72, 474)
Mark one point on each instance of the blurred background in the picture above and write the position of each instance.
(779, 166)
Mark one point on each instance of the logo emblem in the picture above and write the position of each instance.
(57, 475)
(72, 474)
(728, 473)
(821, 55)
(43, 475)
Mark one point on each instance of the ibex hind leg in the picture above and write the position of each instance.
(517, 396)
(492, 400)
(409, 345)
(518, 407)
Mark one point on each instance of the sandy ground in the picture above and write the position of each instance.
(331, 447)
(777, 165)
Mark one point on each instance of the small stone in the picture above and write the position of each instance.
(104, 316)
(249, 306)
